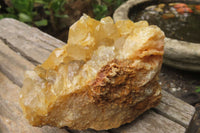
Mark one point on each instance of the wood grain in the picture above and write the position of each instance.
(195, 122)
(21, 46)
(87, 131)
(12, 64)
(29, 41)
(150, 122)
(175, 109)
(167, 107)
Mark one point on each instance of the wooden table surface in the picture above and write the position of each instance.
(22, 47)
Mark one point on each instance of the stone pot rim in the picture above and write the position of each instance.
(179, 54)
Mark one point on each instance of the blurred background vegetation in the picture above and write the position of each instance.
(56, 16)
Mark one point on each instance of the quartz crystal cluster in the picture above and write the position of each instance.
(104, 77)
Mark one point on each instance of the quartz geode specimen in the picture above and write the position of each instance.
(104, 77)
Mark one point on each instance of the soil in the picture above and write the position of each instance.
(180, 83)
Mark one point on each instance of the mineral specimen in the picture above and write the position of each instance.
(104, 77)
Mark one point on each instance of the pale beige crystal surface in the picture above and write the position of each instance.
(104, 77)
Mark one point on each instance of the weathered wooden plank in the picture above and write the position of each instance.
(7, 90)
(150, 122)
(11, 117)
(87, 131)
(12, 64)
(28, 40)
(175, 109)
(195, 122)
(167, 108)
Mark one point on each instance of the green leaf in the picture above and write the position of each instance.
(198, 89)
(23, 6)
(104, 8)
(9, 15)
(47, 12)
(34, 13)
(61, 16)
(24, 17)
(1, 16)
(40, 2)
(40, 23)
(57, 5)
(46, 6)
(100, 11)
(62, 5)
(10, 10)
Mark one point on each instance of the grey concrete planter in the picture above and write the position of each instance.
(179, 54)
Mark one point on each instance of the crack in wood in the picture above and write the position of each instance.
(47, 42)
(10, 76)
(5, 41)
(169, 117)
(39, 46)
(7, 73)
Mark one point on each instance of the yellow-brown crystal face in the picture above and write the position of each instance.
(96, 76)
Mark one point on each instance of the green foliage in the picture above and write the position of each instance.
(21, 10)
(23, 6)
(53, 6)
(197, 89)
(105, 7)
(24, 17)
(26, 11)
(100, 11)
(42, 22)
(49, 12)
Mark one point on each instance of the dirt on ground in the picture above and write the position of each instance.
(180, 83)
